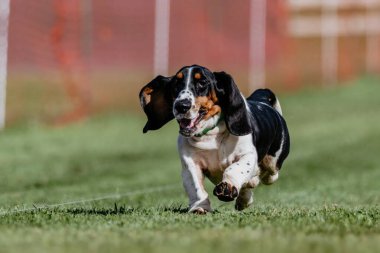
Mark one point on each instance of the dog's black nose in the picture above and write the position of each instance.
(183, 106)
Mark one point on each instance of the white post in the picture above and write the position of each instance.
(4, 15)
(372, 40)
(329, 33)
(87, 27)
(257, 40)
(161, 37)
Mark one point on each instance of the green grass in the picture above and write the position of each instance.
(326, 200)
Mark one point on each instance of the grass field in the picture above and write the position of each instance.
(326, 200)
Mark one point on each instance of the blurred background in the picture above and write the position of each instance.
(101, 180)
(74, 58)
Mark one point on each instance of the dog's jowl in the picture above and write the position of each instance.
(234, 141)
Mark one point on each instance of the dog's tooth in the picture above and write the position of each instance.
(192, 123)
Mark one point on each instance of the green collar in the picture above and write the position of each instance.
(206, 130)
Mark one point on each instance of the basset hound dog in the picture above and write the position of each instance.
(235, 142)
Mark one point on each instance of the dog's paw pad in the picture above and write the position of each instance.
(225, 192)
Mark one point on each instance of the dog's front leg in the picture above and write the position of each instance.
(237, 176)
(193, 177)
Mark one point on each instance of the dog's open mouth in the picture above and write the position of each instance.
(189, 126)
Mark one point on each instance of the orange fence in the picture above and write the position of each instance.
(69, 58)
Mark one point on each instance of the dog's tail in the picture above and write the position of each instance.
(266, 96)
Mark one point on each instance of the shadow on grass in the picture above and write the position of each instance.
(175, 209)
(122, 210)
(116, 210)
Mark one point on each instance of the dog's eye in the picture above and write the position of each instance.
(201, 85)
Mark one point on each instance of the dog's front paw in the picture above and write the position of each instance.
(225, 192)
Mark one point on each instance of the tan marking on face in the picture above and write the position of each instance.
(201, 101)
(215, 109)
(147, 95)
(206, 103)
(180, 75)
(197, 76)
(213, 96)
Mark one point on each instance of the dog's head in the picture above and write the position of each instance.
(196, 98)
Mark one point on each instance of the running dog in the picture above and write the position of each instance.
(234, 141)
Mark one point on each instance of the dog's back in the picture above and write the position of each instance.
(266, 96)
(271, 136)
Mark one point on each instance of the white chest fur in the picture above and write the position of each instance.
(214, 152)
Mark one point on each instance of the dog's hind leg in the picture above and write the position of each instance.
(271, 164)
(244, 199)
(269, 170)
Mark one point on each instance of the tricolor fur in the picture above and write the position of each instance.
(235, 142)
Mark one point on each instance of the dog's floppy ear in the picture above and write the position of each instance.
(157, 103)
(233, 105)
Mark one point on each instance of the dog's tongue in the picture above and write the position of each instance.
(186, 123)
